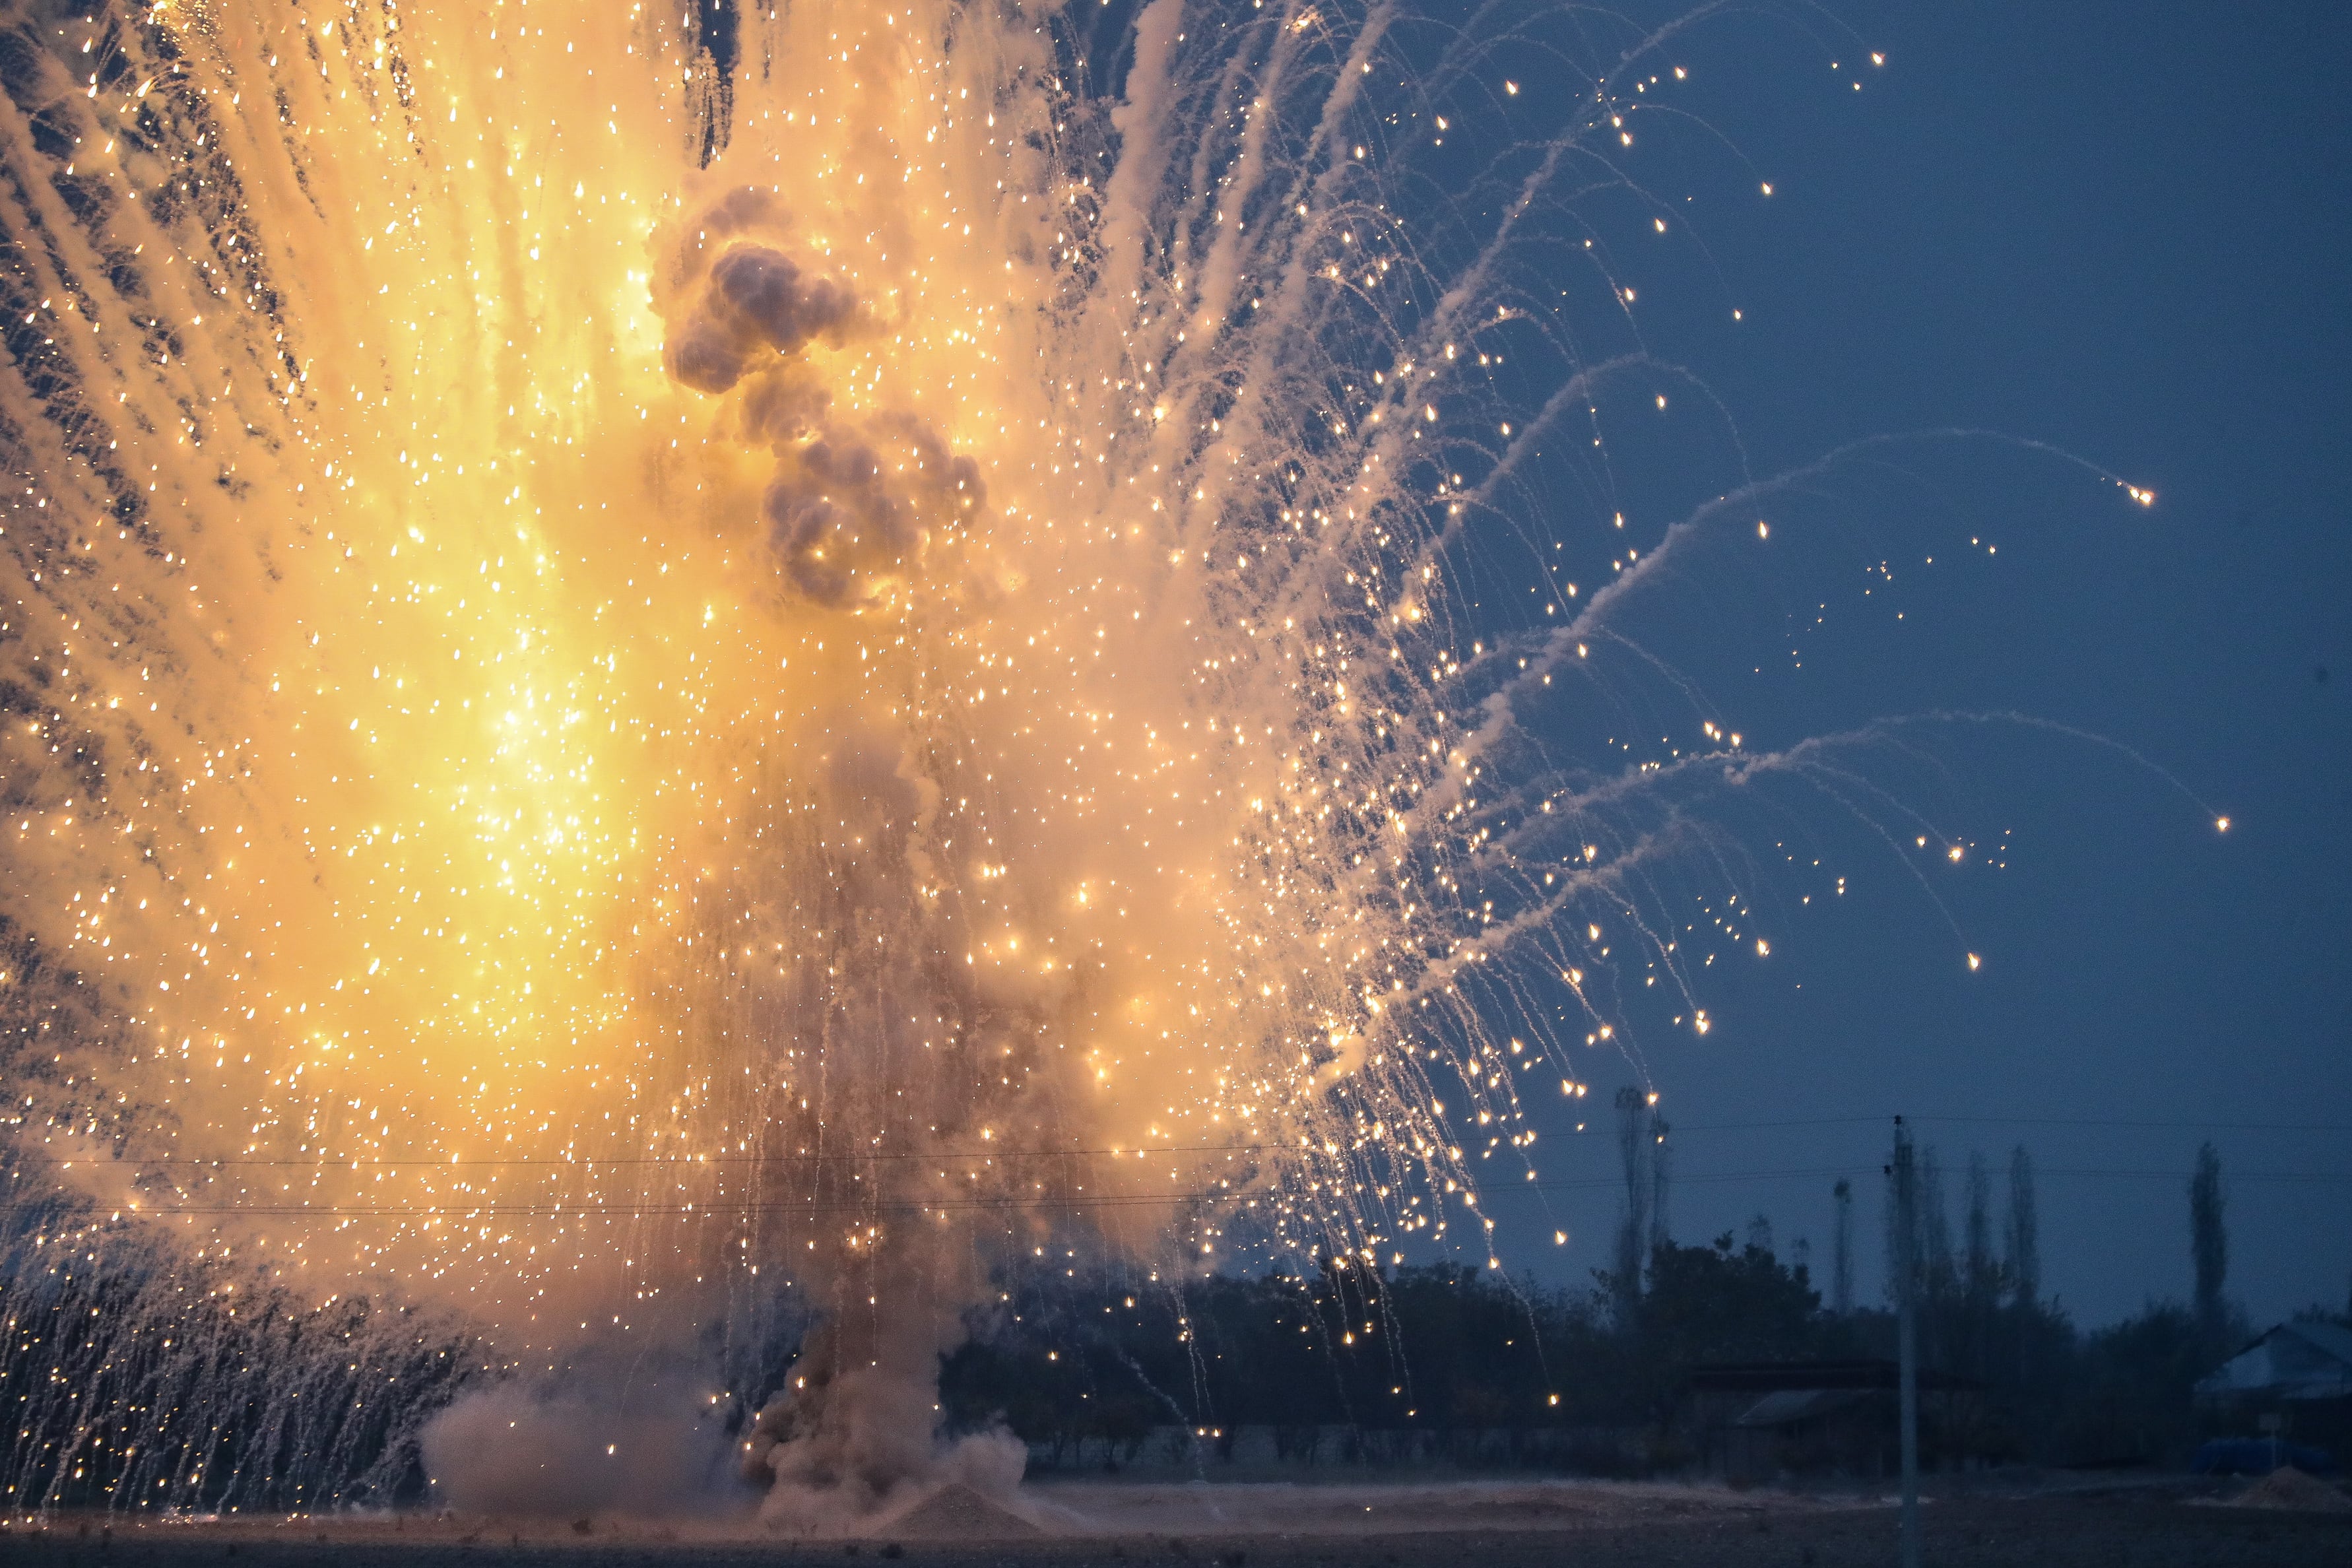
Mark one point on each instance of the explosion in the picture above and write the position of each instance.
(655, 659)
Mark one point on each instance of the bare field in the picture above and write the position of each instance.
(1080, 1525)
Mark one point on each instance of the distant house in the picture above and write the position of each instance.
(1756, 1420)
(2296, 1379)
(2293, 1363)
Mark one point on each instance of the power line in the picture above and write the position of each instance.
(2166, 1126)
(1682, 1128)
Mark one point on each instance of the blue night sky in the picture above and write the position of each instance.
(2121, 229)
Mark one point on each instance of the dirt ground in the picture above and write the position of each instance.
(1462, 1525)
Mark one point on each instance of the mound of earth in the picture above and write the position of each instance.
(2289, 1487)
(956, 1512)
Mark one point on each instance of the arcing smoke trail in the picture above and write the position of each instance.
(639, 675)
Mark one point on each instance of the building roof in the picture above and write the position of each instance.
(2299, 1361)
(1788, 1406)
(1766, 1377)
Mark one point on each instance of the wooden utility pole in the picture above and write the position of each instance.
(1906, 1292)
(1842, 1271)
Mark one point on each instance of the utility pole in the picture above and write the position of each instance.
(1907, 1290)
(1634, 1114)
(1842, 1271)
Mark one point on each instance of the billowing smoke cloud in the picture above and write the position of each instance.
(857, 503)
(734, 297)
(782, 404)
(854, 512)
(511, 1450)
(757, 299)
(856, 1429)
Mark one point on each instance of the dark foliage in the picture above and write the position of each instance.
(1349, 1363)
(139, 1383)
(1441, 1362)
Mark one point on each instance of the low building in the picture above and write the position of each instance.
(2293, 1383)
(1756, 1420)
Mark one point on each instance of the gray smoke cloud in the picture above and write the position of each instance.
(858, 502)
(513, 1449)
(851, 1442)
(756, 299)
(857, 510)
(855, 1430)
(782, 405)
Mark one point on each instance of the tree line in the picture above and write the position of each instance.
(1338, 1360)
(135, 1382)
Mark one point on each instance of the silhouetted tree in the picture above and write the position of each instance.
(1980, 1276)
(1662, 1172)
(2130, 1399)
(1983, 1273)
(2023, 1240)
(2209, 1246)
(1715, 1303)
(1939, 1277)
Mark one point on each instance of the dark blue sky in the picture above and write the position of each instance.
(2123, 230)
